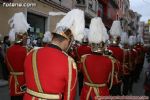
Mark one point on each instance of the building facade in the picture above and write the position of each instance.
(38, 16)
(146, 35)
(108, 12)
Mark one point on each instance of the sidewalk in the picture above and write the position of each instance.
(4, 93)
(3, 83)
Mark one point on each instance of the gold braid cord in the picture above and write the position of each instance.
(35, 71)
(15, 74)
(113, 60)
(71, 64)
(88, 77)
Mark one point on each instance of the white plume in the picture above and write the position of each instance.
(116, 29)
(134, 40)
(12, 35)
(47, 37)
(56, 13)
(106, 36)
(124, 38)
(139, 38)
(131, 40)
(74, 20)
(98, 32)
(19, 23)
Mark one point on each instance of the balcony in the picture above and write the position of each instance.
(114, 3)
(89, 7)
(107, 21)
(81, 6)
(55, 4)
(103, 1)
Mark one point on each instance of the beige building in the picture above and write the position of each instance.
(38, 15)
(122, 13)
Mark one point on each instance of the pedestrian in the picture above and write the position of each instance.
(5, 46)
(97, 68)
(15, 56)
(49, 72)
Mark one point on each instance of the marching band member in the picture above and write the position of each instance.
(126, 69)
(117, 53)
(97, 68)
(50, 73)
(133, 55)
(16, 54)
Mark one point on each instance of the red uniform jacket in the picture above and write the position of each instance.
(132, 59)
(15, 58)
(54, 75)
(118, 54)
(141, 52)
(99, 70)
(126, 69)
(82, 50)
(79, 51)
(136, 53)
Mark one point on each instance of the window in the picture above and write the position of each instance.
(93, 5)
(119, 3)
(80, 2)
(37, 24)
(100, 10)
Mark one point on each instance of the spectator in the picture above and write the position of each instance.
(5, 45)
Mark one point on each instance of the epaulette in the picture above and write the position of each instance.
(30, 51)
(71, 59)
(33, 50)
(67, 54)
(110, 57)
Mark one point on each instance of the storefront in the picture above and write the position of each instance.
(37, 24)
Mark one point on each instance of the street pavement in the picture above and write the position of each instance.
(138, 88)
(4, 93)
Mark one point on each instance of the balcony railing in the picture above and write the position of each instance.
(81, 6)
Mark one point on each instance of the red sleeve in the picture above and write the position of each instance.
(71, 86)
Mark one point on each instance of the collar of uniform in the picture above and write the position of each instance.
(96, 53)
(55, 46)
(18, 44)
(114, 46)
